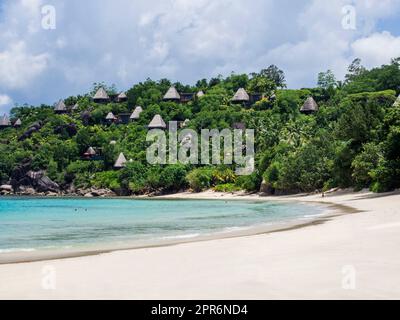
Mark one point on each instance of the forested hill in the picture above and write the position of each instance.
(351, 140)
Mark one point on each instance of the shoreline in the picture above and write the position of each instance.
(295, 263)
(330, 211)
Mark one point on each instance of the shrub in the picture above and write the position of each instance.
(173, 177)
(200, 179)
(249, 183)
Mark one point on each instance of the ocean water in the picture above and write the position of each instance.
(31, 224)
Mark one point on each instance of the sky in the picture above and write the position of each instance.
(52, 49)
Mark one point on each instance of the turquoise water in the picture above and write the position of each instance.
(33, 224)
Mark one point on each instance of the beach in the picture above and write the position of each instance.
(353, 255)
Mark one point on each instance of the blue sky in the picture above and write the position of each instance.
(125, 41)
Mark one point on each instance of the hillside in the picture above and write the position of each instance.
(351, 139)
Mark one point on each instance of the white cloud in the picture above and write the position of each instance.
(5, 103)
(18, 67)
(377, 49)
(5, 100)
(124, 41)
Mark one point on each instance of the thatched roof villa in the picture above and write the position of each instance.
(121, 162)
(122, 97)
(241, 96)
(172, 95)
(110, 117)
(101, 96)
(5, 121)
(157, 123)
(75, 107)
(60, 107)
(310, 106)
(136, 113)
(90, 153)
(18, 123)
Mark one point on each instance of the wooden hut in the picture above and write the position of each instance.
(121, 162)
(60, 107)
(17, 123)
(310, 106)
(172, 95)
(122, 97)
(110, 118)
(136, 113)
(241, 96)
(5, 122)
(90, 153)
(75, 107)
(101, 96)
(157, 123)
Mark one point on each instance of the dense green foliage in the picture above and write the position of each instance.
(352, 141)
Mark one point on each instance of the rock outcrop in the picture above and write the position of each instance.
(33, 128)
(26, 181)
(69, 129)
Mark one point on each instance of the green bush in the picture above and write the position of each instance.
(229, 187)
(200, 179)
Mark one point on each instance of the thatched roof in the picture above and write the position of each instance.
(60, 106)
(200, 94)
(122, 95)
(172, 94)
(101, 94)
(18, 123)
(5, 121)
(241, 96)
(157, 123)
(75, 107)
(91, 152)
(121, 161)
(397, 102)
(310, 105)
(110, 116)
(136, 113)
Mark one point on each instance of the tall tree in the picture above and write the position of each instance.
(326, 80)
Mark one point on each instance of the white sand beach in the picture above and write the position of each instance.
(351, 256)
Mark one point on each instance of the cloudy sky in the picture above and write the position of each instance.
(127, 41)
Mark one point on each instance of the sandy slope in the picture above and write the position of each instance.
(352, 256)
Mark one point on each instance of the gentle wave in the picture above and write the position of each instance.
(12, 250)
(183, 236)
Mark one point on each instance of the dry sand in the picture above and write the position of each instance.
(352, 256)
